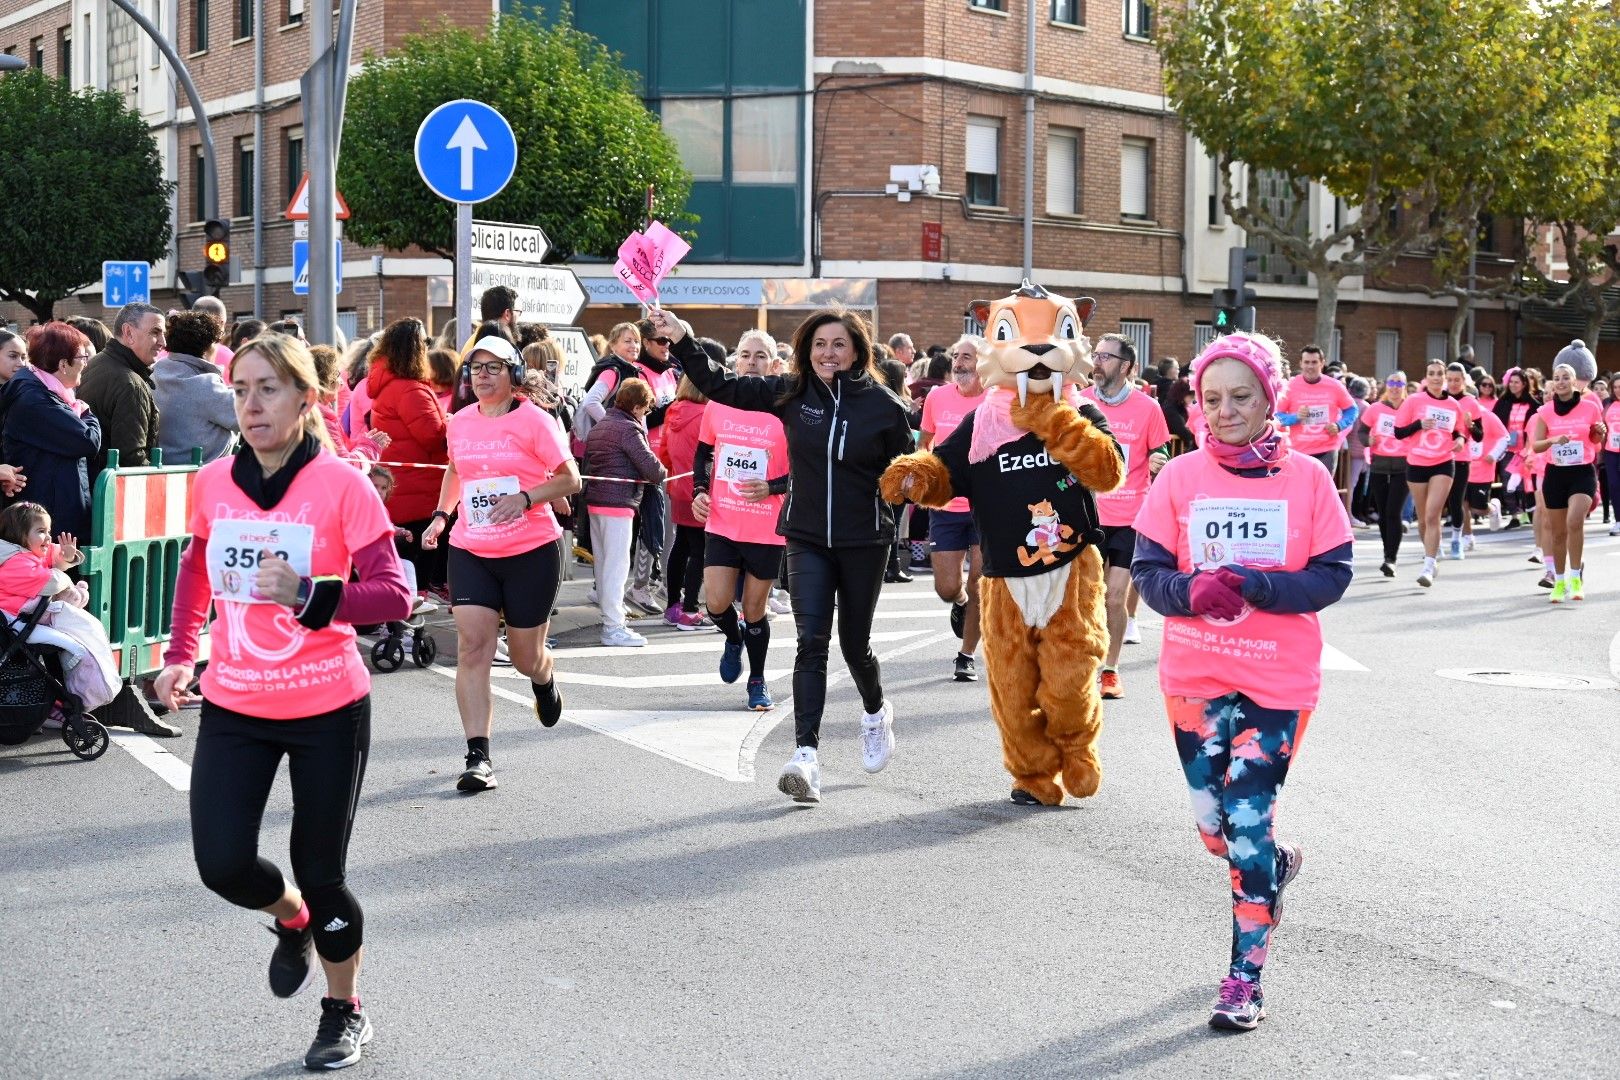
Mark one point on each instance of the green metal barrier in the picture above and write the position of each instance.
(139, 526)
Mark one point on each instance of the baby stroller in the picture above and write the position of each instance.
(388, 654)
(31, 684)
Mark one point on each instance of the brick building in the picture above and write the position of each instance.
(258, 135)
(795, 117)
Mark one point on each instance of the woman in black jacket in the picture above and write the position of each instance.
(843, 428)
(50, 436)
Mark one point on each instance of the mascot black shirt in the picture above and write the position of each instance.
(1032, 514)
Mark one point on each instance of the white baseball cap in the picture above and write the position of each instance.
(497, 347)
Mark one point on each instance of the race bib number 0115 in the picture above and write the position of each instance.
(1243, 532)
(236, 546)
(478, 498)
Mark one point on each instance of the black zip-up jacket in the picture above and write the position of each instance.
(840, 439)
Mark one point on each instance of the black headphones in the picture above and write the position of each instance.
(518, 370)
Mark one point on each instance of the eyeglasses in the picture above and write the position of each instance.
(1106, 356)
(85, 358)
(493, 367)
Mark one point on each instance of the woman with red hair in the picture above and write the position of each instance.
(50, 435)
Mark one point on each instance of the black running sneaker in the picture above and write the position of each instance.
(479, 776)
(547, 702)
(964, 668)
(958, 617)
(292, 965)
(344, 1029)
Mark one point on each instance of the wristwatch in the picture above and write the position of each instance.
(442, 514)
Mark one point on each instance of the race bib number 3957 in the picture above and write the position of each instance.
(1242, 532)
(235, 547)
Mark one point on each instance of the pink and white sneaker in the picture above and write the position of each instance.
(683, 620)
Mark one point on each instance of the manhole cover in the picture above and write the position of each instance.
(1530, 680)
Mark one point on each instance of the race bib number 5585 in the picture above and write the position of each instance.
(236, 546)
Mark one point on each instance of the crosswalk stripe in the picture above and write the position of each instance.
(704, 641)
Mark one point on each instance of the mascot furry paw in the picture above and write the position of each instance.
(1028, 459)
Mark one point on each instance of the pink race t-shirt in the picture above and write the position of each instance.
(1318, 405)
(1380, 420)
(1471, 412)
(1577, 424)
(1611, 417)
(1432, 446)
(263, 662)
(1275, 522)
(747, 446)
(495, 456)
(943, 410)
(1483, 453)
(1137, 423)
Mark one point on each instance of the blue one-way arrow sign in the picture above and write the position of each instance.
(465, 151)
(300, 266)
(124, 282)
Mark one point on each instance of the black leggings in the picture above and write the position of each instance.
(235, 763)
(1389, 499)
(686, 566)
(431, 566)
(819, 577)
(1459, 488)
(1611, 482)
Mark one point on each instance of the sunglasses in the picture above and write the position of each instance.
(1395, 385)
(664, 341)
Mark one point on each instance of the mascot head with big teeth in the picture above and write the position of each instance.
(1035, 341)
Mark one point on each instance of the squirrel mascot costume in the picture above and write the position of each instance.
(1028, 458)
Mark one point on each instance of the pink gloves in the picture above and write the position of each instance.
(1218, 594)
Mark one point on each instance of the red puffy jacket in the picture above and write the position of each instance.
(682, 422)
(408, 411)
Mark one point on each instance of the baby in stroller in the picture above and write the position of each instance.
(43, 607)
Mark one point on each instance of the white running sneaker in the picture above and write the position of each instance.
(1614, 530)
(779, 603)
(623, 637)
(645, 600)
(877, 738)
(1133, 636)
(1496, 515)
(1468, 541)
(801, 776)
(1426, 578)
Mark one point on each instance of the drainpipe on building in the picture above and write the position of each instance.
(1029, 139)
(258, 160)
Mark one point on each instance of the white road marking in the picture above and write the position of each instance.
(702, 641)
(639, 682)
(170, 769)
(1334, 660)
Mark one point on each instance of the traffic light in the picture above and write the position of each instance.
(1242, 267)
(193, 287)
(217, 255)
(1224, 311)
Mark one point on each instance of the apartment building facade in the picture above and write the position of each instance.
(804, 124)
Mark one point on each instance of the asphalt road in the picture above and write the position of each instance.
(638, 900)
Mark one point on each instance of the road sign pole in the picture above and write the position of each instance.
(464, 296)
(321, 141)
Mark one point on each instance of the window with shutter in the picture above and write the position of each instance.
(983, 160)
(1387, 352)
(1435, 346)
(1135, 178)
(1062, 172)
(1140, 331)
(1485, 351)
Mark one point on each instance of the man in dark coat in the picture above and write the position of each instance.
(118, 386)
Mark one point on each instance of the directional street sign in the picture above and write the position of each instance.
(125, 283)
(465, 151)
(577, 356)
(545, 294)
(300, 266)
(498, 241)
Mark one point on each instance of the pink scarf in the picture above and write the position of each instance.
(69, 398)
(993, 425)
(1261, 452)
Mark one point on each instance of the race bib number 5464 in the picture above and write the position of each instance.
(235, 547)
(1242, 532)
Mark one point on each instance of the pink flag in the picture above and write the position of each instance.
(644, 259)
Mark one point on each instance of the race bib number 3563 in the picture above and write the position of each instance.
(236, 546)
(1243, 532)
